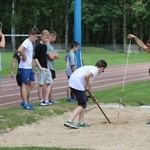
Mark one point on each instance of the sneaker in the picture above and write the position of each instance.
(53, 101)
(83, 125)
(28, 107)
(71, 100)
(148, 122)
(70, 124)
(22, 103)
(43, 103)
(31, 107)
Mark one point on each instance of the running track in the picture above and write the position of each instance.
(113, 76)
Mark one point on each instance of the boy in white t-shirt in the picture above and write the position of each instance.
(25, 67)
(79, 82)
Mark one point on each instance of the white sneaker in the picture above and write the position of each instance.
(43, 103)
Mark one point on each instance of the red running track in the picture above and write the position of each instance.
(113, 76)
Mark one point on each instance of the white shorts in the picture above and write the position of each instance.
(45, 77)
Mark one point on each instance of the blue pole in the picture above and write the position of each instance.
(77, 30)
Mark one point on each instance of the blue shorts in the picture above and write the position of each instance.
(27, 75)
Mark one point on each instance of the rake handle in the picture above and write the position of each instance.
(96, 102)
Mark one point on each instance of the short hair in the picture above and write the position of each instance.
(52, 32)
(74, 44)
(34, 31)
(45, 32)
(101, 63)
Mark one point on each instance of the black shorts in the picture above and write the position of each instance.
(81, 97)
(53, 74)
(18, 78)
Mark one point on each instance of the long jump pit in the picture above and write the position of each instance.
(128, 131)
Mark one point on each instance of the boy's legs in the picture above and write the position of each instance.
(81, 116)
(53, 76)
(76, 112)
(40, 92)
(18, 79)
(26, 78)
(82, 99)
(41, 78)
(49, 82)
(70, 95)
(46, 92)
(29, 88)
(24, 92)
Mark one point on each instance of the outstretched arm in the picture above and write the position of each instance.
(139, 42)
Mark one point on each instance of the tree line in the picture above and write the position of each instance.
(103, 21)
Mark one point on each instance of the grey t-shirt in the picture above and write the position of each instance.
(71, 61)
(50, 50)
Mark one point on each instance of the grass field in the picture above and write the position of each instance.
(89, 56)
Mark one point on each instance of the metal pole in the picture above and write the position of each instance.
(77, 30)
(13, 39)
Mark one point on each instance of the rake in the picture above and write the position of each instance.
(96, 102)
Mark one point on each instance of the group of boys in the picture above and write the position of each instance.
(44, 55)
(79, 79)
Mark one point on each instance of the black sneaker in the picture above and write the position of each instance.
(53, 101)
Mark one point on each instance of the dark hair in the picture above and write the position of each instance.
(34, 31)
(148, 41)
(101, 63)
(53, 32)
(74, 43)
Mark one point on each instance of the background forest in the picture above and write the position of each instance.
(103, 21)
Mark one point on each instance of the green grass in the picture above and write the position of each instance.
(16, 116)
(89, 55)
(134, 94)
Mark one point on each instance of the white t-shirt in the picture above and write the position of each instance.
(29, 54)
(77, 80)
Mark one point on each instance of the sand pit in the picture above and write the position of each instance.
(128, 132)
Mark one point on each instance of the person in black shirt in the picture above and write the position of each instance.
(44, 75)
(16, 59)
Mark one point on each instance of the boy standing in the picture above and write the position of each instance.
(44, 75)
(71, 66)
(79, 83)
(25, 67)
(52, 55)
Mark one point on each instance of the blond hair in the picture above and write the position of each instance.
(45, 33)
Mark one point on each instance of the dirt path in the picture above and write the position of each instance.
(128, 132)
